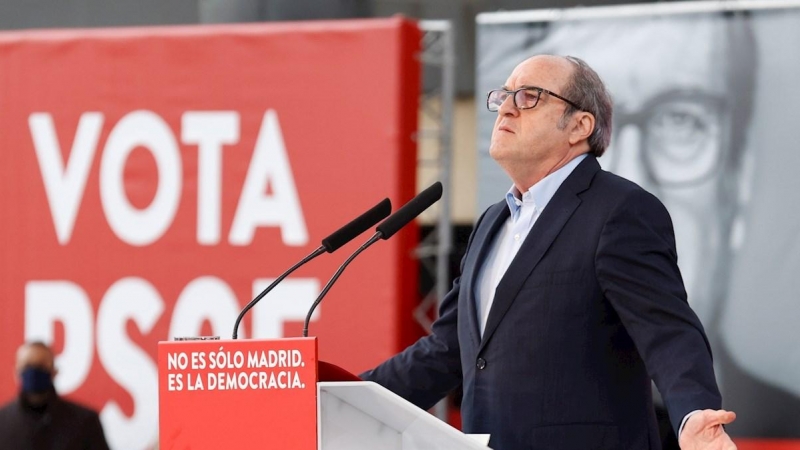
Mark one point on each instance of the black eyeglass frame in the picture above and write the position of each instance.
(539, 91)
(719, 105)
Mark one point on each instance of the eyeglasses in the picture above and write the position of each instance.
(683, 137)
(524, 98)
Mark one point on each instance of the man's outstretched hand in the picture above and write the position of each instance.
(703, 431)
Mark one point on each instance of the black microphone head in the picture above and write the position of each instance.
(357, 226)
(410, 210)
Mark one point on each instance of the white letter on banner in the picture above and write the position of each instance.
(129, 366)
(134, 226)
(206, 298)
(290, 300)
(48, 302)
(64, 183)
(269, 166)
(209, 131)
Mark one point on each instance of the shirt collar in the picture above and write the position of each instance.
(539, 194)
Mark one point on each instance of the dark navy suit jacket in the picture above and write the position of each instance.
(590, 309)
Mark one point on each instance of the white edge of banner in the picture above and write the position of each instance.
(637, 10)
(434, 25)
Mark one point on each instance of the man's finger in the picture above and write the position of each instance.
(713, 417)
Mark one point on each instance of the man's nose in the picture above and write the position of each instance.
(629, 157)
(507, 108)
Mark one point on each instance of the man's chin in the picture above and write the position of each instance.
(498, 151)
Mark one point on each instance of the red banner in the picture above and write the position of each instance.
(245, 394)
(766, 444)
(154, 180)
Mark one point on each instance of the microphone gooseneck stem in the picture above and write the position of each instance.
(378, 235)
(320, 250)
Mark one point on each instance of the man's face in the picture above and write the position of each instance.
(526, 138)
(34, 356)
(671, 128)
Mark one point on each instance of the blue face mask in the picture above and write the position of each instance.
(36, 381)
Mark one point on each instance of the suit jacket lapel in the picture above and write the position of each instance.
(540, 238)
(494, 218)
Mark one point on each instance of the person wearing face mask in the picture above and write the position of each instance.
(39, 419)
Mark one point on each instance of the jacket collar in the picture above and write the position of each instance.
(563, 204)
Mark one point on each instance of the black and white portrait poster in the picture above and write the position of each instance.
(706, 118)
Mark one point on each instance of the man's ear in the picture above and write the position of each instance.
(582, 127)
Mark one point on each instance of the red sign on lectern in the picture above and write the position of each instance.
(243, 394)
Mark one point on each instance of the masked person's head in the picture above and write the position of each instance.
(682, 89)
(35, 371)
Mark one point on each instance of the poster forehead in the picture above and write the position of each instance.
(686, 51)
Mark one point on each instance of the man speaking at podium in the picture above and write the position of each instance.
(570, 299)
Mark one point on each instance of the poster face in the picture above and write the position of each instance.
(153, 181)
(703, 119)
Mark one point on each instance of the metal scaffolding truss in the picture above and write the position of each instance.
(434, 141)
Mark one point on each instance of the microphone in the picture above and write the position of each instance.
(384, 231)
(410, 210)
(357, 226)
(330, 244)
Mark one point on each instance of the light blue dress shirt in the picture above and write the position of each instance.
(525, 210)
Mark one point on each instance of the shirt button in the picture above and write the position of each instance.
(481, 363)
(516, 237)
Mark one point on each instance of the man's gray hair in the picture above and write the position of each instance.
(586, 89)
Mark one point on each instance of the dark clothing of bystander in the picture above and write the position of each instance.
(56, 425)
